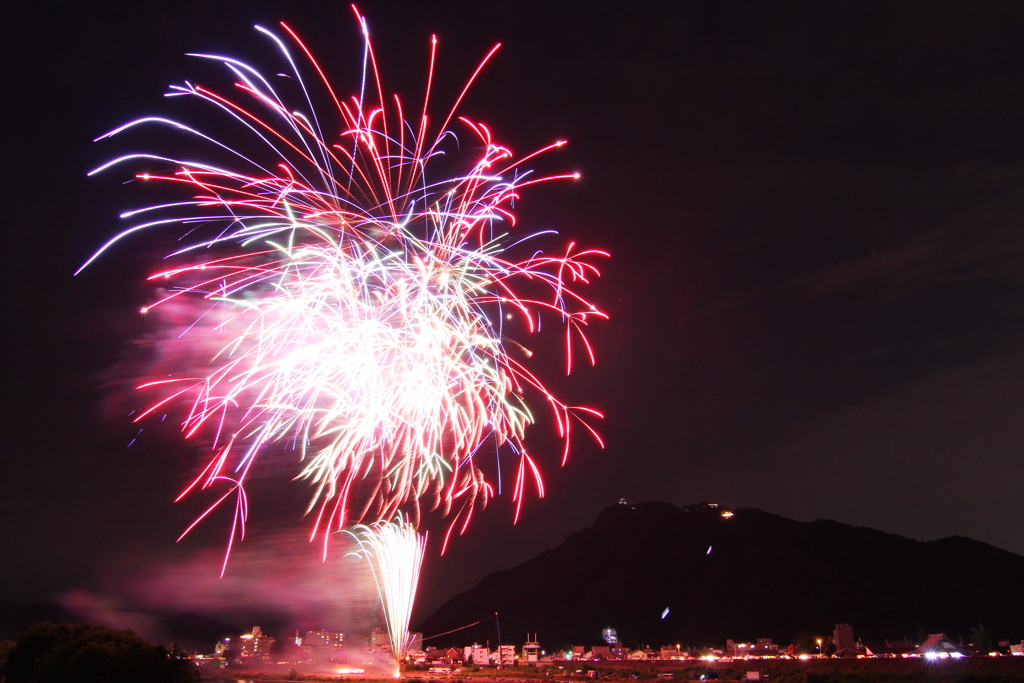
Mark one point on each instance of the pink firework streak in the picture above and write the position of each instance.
(356, 305)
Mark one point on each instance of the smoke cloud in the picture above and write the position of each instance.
(277, 581)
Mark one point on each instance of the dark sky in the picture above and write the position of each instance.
(816, 219)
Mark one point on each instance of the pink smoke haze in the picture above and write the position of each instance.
(276, 575)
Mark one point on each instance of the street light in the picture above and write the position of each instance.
(819, 646)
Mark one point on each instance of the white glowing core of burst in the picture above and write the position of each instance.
(362, 354)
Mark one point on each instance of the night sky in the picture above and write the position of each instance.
(816, 218)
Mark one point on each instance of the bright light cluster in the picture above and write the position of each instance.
(349, 307)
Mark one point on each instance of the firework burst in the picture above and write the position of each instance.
(354, 306)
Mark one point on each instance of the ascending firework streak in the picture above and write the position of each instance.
(348, 308)
(395, 553)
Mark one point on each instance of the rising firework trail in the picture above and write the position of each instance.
(348, 315)
(394, 551)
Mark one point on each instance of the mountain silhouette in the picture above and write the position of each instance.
(697, 575)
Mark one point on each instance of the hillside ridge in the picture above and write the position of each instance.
(700, 574)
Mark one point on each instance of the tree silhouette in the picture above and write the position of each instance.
(55, 653)
(5, 649)
(982, 638)
(804, 643)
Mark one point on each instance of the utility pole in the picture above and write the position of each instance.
(498, 623)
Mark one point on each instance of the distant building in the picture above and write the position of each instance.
(476, 654)
(842, 636)
(379, 639)
(892, 648)
(505, 655)
(637, 655)
(938, 643)
(846, 644)
(323, 639)
(601, 652)
(531, 650)
(764, 647)
(672, 652)
(610, 636)
(256, 644)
